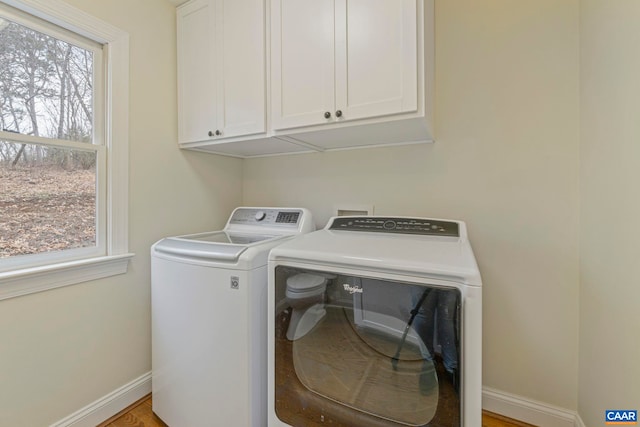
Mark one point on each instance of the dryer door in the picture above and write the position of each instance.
(365, 351)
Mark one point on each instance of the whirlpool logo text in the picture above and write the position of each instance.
(352, 289)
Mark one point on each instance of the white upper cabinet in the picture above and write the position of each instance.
(302, 62)
(340, 60)
(265, 77)
(221, 69)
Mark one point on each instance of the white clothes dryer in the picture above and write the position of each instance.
(209, 316)
(375, 321)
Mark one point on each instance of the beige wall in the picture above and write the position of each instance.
(505, 161)
(65, 348)
(610, 208)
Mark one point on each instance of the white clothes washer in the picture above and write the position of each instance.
(389, 332)
(209, 316)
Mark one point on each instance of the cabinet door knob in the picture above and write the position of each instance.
(339, 113)
(218, 133)
(210, 133)
(327, 115)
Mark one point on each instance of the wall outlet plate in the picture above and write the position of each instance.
(353, 210)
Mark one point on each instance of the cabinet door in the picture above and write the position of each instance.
(376, 57)
(197, 109)
(302, 62)
(240, 59)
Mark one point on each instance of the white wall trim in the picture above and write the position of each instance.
(109, 405)
(499, 402)
(37, 279)
(579, 422)
(69, 17)
(528, 410)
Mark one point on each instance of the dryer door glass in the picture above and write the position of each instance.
(356, 351)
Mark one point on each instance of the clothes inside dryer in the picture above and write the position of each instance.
(383, 353)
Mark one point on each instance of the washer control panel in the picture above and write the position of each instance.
(266, 217)
(423, 226)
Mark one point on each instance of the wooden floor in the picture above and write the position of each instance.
(140, 415)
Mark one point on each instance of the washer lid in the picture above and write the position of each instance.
(200, 249)
(229, 237)
(305, 282)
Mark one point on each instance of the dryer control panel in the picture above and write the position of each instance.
(423, 226)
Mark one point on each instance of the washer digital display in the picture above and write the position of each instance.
(287, 217)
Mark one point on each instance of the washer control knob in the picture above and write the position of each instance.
(260, 215)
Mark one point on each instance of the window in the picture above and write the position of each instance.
(63, 147)
(50, 98)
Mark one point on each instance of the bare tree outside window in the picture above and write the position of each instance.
(47, 191)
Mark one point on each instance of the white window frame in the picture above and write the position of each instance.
(114, 256)
(96, 146)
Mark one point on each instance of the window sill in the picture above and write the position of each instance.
(37, 279)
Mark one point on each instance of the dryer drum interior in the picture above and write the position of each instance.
(356, 351)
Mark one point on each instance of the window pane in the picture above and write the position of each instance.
(46, 85)
(47, 199)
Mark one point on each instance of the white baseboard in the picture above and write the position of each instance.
(109, 405)
(527, 410)
(499, 402)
